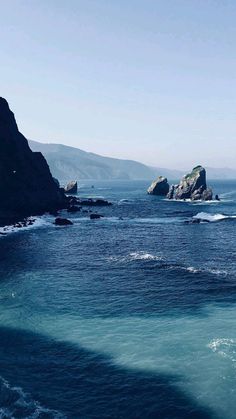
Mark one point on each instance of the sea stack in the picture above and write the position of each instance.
(193, 186)
(71, 188)
(160, 186)
(26, 184)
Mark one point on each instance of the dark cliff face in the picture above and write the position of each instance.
(26, 184)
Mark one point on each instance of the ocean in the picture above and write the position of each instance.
(129, 316)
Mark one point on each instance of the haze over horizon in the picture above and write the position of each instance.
(149, 81)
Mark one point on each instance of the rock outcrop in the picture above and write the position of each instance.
(62, 222)
(193, 186)
(72, 187)
(160, 186)
(96, 216)
(26, 184)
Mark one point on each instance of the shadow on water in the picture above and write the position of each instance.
(84, 384)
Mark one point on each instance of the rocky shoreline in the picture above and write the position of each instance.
(28, 188)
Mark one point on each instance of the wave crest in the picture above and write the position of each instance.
(205, 216)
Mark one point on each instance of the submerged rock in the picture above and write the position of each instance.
(93, 202)
(72, 187)
(160, 186)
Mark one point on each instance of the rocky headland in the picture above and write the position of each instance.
(26, 184)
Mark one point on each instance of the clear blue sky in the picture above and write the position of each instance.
(144, 79)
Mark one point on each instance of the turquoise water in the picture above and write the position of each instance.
(129, 316)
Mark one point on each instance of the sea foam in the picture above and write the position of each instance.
(22, 404)
(205, 216)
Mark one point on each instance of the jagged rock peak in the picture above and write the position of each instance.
(193, 186)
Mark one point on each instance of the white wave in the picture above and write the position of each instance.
(22, 400)
(213, 201)
(161, 220)
(31, 223)
(195, 270)
(204, 216)
(192, 269)
(144, 256)
(139, 255)
(224, 347)
(125, 201)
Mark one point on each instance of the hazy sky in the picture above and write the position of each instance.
(151, 80)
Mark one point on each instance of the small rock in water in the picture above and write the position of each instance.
(95, 216)
(62, 222)
(72, 187)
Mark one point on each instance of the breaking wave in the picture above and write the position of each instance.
(29, 223)
(225, 348)
(164, 264)
(139, 255)
(204, 216)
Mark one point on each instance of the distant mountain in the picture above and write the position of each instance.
(72, 163)
(220, 173)
(68, 163)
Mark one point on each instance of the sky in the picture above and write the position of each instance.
(150, 80)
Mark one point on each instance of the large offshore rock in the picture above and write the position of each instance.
(26, 184)
(72, 187)
(193, 185)
(160, 186)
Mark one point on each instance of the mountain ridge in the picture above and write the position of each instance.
(67, 162)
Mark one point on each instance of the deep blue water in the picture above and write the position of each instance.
(121, 318)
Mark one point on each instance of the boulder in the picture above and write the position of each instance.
(160, 186)
(72, 187)
(94, 202)
(207, 195)
(62, 222)
(95, 216)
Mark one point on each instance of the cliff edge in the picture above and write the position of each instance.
(26, 184)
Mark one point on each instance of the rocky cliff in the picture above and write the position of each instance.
(26, 184)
